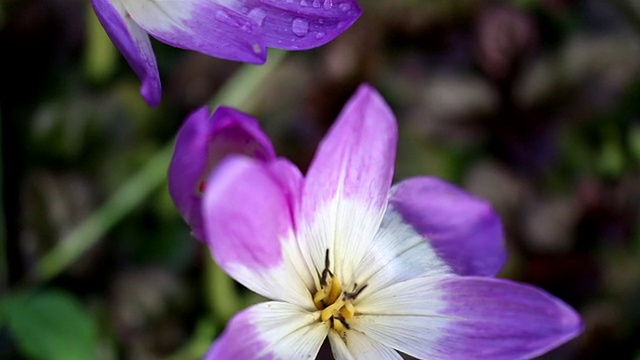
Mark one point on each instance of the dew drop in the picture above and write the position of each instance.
(222, 16)
(225, 18)
(328, 4)
(320, 35)
(344, 7)
(300, 27)
(257, 15)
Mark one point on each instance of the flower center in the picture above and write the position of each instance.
(336, 305)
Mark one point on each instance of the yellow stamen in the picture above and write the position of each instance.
(328, 294)
(336, 290)
(335, 305)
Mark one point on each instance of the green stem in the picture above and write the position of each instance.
(239, 91)
(128, 196)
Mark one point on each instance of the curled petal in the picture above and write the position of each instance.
(467, 317)
(346, 189)
(271, 330)
(133, 42)
(299, 25)
(464, 230)
(201, 143)
(249, 228)
(209, 27)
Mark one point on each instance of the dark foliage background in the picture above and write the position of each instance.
(531, 104)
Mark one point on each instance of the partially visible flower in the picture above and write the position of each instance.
(230, 29)
(201, 143)
(377, 270)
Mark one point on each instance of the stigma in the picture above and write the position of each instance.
(335, 304)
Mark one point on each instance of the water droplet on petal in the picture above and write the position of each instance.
(304, 3)
(230, 20)
(222, 16)
(257, 15)
(300, 27)
(328, 4)
(320, 35)
(344, 7)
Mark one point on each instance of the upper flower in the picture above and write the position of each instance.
(376, 269)
(229, 29)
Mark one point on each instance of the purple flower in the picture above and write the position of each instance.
(229, 29)
(377, 269)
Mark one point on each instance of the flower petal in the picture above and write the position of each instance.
(271, 330)
(346, 189)
(203, 140)
(465, 317)
(291, 181)
(249, 228)
(207, 26)
(299, 25)
(400, 254)
(356, 345)
(339, 349)
(134, 44)
(463, 229)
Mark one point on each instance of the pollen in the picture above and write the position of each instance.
(335, 305)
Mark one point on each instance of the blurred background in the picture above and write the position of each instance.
(531, 104)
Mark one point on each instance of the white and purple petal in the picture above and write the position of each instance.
(398, 253)
(346, 189)
(208, 26)
(300, 25)
(203, 140)
(250, 230)
(270, 330)
(466, 317)
(133, 42)
(464, 230)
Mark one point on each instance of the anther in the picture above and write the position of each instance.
(326, 259)
(354, 294)
(342, 320)
(326, 272)
(335, 305)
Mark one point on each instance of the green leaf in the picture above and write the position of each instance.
(50, 325)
